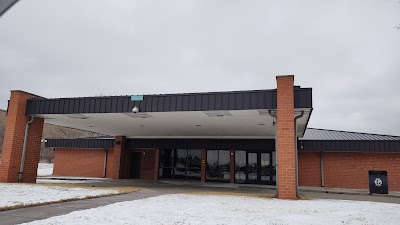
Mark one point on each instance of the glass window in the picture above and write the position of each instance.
(240, 166)
(252, 167)
(224, 165)
(265, 167)
(180, 164)
(218, 165)
(212, 164)
(194, 173)
(194, 158)
(274, 166)
(165, 173)
(166, 157)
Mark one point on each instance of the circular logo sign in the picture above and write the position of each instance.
(378, 182)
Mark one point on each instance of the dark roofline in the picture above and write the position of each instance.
(234, 100)
(372, 146)
(353, 132)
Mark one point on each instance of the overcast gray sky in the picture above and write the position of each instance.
(347, 51)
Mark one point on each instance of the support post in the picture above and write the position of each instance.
(285, 137)
(14, 138)
(119, 151)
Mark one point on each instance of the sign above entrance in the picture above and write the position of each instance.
(136, 97)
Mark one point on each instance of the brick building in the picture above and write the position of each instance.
(256, 137)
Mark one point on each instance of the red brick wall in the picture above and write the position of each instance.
(119, 158)
(13, 141)
(82, 162)
(309, 169)
(285, 137)
(348, 170)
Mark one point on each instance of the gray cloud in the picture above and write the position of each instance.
(347, 51)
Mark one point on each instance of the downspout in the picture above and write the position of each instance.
(105, 163)
(322, 170)
(274, 117)
(21, 168)
(296, 156)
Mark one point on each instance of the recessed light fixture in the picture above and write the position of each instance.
(198, 125)
(261, 124)
(90, 126)
(218, 113)
(78, 116)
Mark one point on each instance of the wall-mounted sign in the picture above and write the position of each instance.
(136, 97)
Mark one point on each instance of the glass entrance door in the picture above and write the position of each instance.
(252, 167)
(259, 169)
(218, 165)
(265, 168)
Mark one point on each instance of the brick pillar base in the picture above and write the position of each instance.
(119, 150)
(14, 139)
(285, 138)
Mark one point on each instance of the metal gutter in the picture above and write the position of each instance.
(21, 168)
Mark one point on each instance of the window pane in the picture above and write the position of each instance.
(166, 157)
(194, 173)
(265, 167)
(252, 166)
(180, 164)
(274, 166)
(240, 166)
(224, 165)
(212, 164)
(194, 158)
(165, 173)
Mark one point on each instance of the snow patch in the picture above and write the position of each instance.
(45, 169)
(26, 194)
(200, 209)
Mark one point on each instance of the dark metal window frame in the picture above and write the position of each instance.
(174, 153)
(217, 180)
(259, 181)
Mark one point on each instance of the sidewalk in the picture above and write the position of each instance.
(273, 187)
(29, 214)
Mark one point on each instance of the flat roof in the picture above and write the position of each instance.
(206, 101)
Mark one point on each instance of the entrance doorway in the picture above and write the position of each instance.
(136, 164)
(218, 165)
(254, 167)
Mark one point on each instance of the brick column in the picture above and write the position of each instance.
(14, 138)
(285, 138)
(203, 165)
(156, 163)
(119, 150)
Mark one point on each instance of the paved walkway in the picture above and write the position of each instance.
(29, 214)
(155, 188)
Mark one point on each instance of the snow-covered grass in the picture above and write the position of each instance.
(19, 195)
(45, 169)
(203, 209)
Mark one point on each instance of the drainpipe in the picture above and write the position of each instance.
(21, 168)
(105, 163)
(322, 170)
(296, 156)
(274, 116)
